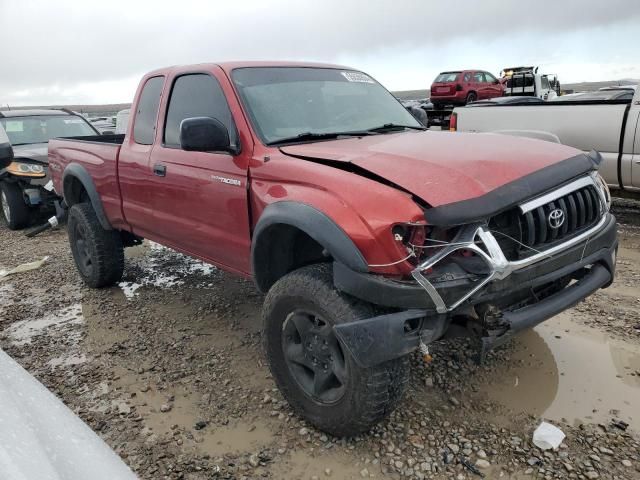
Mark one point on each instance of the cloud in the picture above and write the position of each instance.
(53, 49)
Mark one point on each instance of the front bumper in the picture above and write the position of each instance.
(589, 261)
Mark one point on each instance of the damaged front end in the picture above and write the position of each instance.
(494, 277)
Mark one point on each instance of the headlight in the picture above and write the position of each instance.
(26, 169)
(601, 184)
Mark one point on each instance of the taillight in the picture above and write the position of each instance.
(453, 122)
(458, 87)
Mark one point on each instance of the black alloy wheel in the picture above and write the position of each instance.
(314, 356)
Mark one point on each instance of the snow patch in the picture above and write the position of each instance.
(164, 268)
(129, 289)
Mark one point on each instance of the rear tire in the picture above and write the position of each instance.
(14, 210)
(471, 97)
(98, 253)
(316, 375)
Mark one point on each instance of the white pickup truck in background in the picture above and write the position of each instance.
(609, 126)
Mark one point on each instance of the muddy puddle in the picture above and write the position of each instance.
(564, 370)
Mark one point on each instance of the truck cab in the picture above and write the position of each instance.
(527, 82)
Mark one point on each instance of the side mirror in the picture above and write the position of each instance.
(204, 134)
(6, 150)
(496, 82)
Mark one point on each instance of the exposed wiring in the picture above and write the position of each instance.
(443, 243)
(412, 254)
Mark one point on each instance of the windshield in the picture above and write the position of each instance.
(284, 102)
(42, 128)
(447, 77)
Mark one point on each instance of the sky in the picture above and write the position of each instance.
(94, 52)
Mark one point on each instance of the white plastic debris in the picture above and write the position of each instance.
(548, 436)
(25, 267)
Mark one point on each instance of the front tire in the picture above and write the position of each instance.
(14, 210)
(98, 253)
(316, 375)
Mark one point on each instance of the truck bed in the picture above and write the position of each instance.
(98, 156)
(587, 125)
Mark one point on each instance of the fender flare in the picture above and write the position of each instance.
(314, 223)
(79, 173)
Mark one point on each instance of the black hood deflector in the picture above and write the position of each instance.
(508, 195)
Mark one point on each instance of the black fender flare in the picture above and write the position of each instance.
(314, 223)
(75, 171)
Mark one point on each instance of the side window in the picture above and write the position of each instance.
(478, 77)
(544, 83)
(490, 78)
(467, 77)
(144, 128)
(196, 95)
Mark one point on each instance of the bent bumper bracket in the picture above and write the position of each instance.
(378, 339)
(532, 315)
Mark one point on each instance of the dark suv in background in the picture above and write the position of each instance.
(465, 86)
(25, 189)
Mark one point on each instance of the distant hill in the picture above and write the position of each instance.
(590, 86)
(411, 94)
(577, 87)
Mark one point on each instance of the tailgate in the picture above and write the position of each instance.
(439, 88)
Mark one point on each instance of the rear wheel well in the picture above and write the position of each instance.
(281, 249)
(74, 191)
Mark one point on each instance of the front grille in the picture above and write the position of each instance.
(522, 234)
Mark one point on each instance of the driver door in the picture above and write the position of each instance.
(200, 198)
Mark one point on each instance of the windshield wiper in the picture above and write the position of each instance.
(319, 136)
(392, 127)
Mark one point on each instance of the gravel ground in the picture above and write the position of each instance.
(167, 368)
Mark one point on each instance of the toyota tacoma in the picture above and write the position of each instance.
(370, 236)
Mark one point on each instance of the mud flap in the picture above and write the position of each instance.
(379, 339)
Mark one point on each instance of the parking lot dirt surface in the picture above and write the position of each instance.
(168, 369)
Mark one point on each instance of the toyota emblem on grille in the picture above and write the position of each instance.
(555, 218)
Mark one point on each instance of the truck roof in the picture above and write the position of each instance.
(31, 113)
(228, 66)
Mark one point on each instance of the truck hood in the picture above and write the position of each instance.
(33, 151)
(440, 167)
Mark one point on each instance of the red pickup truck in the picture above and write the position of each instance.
(370, 236)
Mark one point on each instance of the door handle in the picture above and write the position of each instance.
(159, 170)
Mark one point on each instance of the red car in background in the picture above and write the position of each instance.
(462, 87)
